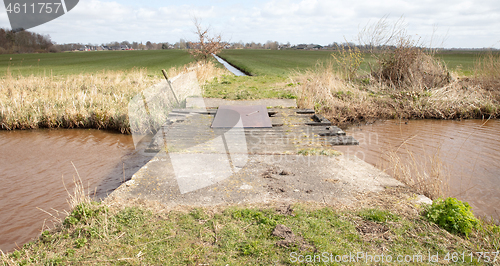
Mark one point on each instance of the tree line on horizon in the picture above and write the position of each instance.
(23, 41)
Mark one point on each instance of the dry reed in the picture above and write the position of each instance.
(98, 100)
(368, 98)
(425, 174)
(487, 73)
(79, 196)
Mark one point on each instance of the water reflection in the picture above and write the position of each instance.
(34, 165)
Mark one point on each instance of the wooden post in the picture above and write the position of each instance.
(168, 82)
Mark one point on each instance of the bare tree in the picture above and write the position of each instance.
(206, 44)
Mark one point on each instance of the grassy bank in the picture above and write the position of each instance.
(92, 100)
(345, 103)
(77, 63)
(247, 88)
(146, 233)
(318, 81)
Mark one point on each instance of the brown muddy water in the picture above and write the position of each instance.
(34, 163)
(468, 150)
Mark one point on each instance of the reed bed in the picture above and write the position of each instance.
(98, 100)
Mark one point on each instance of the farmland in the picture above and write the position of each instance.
(256, 62)
(282, 63)
(74, 63)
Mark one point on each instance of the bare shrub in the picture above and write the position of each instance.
(206, 45)
(381, 34)
(348, 58)
(408, 66)
(401, 62)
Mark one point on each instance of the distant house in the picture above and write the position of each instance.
(300, 47)
(284, 46)
(307, 47)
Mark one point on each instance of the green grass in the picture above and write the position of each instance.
(247, 88)
(71, 63)
(276, 63)
(461, 61)
(257, 62)
(283, 62)
(237, 236)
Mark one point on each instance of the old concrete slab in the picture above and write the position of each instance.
(264, 178)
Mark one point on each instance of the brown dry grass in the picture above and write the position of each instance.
(368, 98)
(410, 67)
(81, 101)
(425, 174)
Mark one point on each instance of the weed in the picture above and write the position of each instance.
(70, 252)
(453, 215)
(129, 216)
(84, 212)
(250, 248)
(198, 214)
(348, 59)
(80, 242)
(254, 215)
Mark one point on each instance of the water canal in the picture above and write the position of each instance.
(468, 151)
(229, 67)
(34, 164)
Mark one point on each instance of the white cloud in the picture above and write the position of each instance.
(465, 23)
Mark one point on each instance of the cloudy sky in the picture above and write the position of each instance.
(458, 23)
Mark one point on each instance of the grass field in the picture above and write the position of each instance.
(256, 62)
(72, 63)
(284, 62)
(274, 63)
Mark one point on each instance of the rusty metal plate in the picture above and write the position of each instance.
(253, 116)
